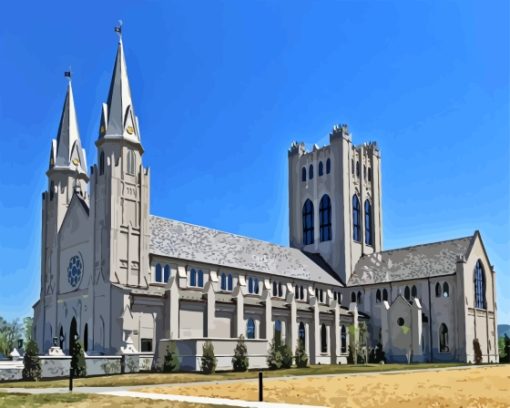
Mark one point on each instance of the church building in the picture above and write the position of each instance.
(116, 276)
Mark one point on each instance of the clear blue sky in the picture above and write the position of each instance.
(223, 87)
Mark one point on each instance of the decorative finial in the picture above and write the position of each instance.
(118, 30)
(68, 74)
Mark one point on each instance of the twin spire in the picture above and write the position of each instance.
(118, 121)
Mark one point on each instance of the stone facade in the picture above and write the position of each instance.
(120, 279)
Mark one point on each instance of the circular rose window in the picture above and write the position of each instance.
(75, 270)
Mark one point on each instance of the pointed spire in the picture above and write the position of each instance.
(66, 150)
(118, 120)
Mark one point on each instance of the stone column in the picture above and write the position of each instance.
(293, 331)
(385, 330)
(173, 302)
(266, 296)
(211, 308)
(238, 295)
(335, 351)
(315, 330)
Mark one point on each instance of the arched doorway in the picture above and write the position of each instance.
(73, 332)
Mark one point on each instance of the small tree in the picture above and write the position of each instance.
(208, 359)
(507, 348)
(170, 360)
(478, 351)
(78, 364)
(301, 357)
(286, 353)
(274, 358)
(31, 363)
(240, 361)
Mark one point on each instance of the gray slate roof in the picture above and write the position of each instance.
(421, 261)
(176, 239)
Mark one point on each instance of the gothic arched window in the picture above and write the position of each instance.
(310, 172)
(368, 223)
(250, 329)
(166, 273)
(446, 290)
(385, 295)
(328, 166)
(280, 289)
(303, 174)
(414, 291)
(324, 339)
(479, 283)
(223, 284)
(200, 279)
(158, 277)
(131, 162)
(356, 218)
(438, 289)
(378, 296)
(325, 218)
(407, 293)
(302, 334)
(360, 298)
(275, 289)
(321, 169)
(353, 297)
(229, 282)
(443, 338)
(193, 278)
(308, 223)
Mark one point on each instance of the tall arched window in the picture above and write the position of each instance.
(310, 172)
(101, 164)
(303, 174)
(343, 339)
(280, 289)
(308, 223)
(278, 332)
(321, 169)
(414, 291)
(443, 338)
(250, 329)
(275, 288)
(479, 283)
(370, 174)
(324, 339)
(193, 278)
(229, 282)
(158, 273)
(223, 281)
(356, 219)
(302, 334)
(368, 223)
(353, 297)
(325, 218)
(438, 289)
(446, 290)
(360, 298)
(385, 295)
(302, 293)
(407, 293)
(131, 162)
(357, 169)
(378, 296)
(200, 278)
(166, 273)
(328, 166)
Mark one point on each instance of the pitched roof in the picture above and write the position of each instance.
(176, 239)
(420, 261)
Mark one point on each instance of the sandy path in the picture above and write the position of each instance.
(484, 387)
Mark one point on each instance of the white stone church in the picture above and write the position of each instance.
(115, 274)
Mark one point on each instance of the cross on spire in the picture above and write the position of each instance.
(118, 29)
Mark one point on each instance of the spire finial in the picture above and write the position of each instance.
(68, 74)
(118, 30)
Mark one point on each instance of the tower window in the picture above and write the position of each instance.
(356, 227)
(308, 223)
(368, 223)
(321, 169)
(357, 169)
(479, 283)
(328, 166)
(303, 174)
(310, 172)
(364, 172)
(370, 174)
(101, 164)
(325, 218)
(352, 166)
(131, 162)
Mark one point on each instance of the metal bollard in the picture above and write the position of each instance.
(71, 378)
(261, 387)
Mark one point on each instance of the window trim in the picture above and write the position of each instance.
(325, 227)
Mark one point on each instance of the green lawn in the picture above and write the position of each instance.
(77, 400)
(162, 378)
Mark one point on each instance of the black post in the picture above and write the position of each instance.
(261, 387)
(71, 377)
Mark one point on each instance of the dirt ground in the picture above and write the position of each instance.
(480, 387)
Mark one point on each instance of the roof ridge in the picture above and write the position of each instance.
(422, 245)
(225, 232)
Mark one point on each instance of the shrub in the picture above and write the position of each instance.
(170, 360)
(478, 351)
(274, 358)
(377, 354)
(78, 364)
(240, 361)
(301, 357)
(208, 358)
(287, 357)
(31, 363)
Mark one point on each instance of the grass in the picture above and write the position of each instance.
(172, 378)
(78, 400)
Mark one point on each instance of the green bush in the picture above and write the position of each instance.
(171, 359)
(31, 363)
(287, 357)
(208, 358)
(301, 357)
(78, 364)
(478, 351)
(240, 361)
(274, 357)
